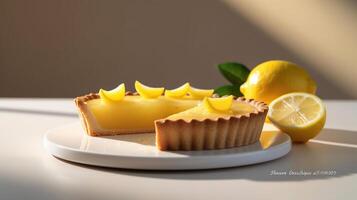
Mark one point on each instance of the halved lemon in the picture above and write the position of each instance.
(178, 92)
(115, 94)
(148, 92)
(199, 93)
(219, 104)
(301, 115)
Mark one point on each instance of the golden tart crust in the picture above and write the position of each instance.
(89, 123)
(220, 133)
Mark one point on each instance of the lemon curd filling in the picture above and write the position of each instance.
(136, 112)
(116, 111)
(202, 111)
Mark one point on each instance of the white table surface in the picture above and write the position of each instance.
(27, 171)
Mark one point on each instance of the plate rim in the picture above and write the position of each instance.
(53, 148)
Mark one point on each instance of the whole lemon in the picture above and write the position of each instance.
(271, 79)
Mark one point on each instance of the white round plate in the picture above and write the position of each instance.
(138, 151)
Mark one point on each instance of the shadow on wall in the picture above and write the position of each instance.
(65, 49)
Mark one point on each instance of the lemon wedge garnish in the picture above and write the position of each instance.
(200, 93)
(301, 115)
(219, 104)
(148, 92)
(178, 92)
(115, 94)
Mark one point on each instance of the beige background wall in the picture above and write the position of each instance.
(67, 48)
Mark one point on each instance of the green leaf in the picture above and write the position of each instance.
(235, 73)
(228, 90)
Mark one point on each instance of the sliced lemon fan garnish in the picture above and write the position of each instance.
(200, 93)
(301, 115)
(148, 92)
(115, 94)
(178, 92)
(219, 104)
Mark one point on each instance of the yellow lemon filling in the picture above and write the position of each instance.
(132, 112)
(206, 110)
(114, 110)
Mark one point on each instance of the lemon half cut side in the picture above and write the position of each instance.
(301, 115)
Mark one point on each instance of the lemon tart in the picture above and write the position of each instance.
(185, 118)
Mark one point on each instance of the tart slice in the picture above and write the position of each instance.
(216, 123)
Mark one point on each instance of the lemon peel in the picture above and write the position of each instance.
(221, 104)
(148, 92)
(200, 93)
(116, 94)
(178, 92)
